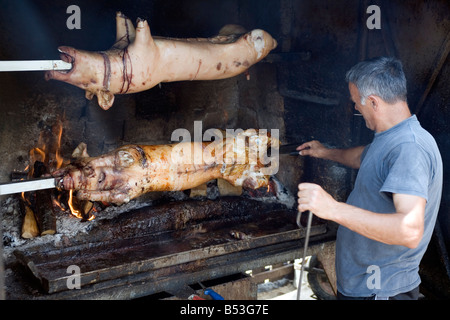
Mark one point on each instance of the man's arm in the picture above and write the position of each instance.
(403, 227)
(349, 157)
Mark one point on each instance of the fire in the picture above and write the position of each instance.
(25, 199)
(48, 151)
(74, 211)
(38, 154)
(59, 158)
(77, 213)
(57, 203)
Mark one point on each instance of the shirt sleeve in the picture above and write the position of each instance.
(407, 170)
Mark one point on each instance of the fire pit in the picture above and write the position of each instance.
(155, 243)
(147, 247)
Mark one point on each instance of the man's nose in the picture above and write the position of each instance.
(357, 113)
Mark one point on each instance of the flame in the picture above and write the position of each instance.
(58, 203)
(48, 151)
(48, 148)
(38, 154)
(74, 211)
(25, 199)
(59, 159)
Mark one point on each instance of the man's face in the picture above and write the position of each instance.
(366, 110)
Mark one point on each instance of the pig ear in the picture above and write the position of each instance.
(105, 99)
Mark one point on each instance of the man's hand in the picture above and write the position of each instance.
(349, 157)
(313, 148)
(403, 227)
(313, 198)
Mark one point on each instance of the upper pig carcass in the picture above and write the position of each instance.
(137, 61)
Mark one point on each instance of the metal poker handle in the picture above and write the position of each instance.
(305, 248)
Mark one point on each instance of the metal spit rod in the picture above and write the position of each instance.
(305, 248)
(27, 185)
(34, 65)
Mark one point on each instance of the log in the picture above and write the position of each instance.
(45, 214)
(199, 191)
(30, 227)
(18, 175)
(227, 189)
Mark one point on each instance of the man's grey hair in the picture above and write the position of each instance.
(383, 77)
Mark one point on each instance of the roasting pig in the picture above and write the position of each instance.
(138, 61)
(132, 170)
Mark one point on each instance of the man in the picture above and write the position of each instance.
(389, 217)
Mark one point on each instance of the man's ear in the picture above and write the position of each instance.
(374, 101)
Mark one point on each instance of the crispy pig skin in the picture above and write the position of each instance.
(138, 61)
(132, 170)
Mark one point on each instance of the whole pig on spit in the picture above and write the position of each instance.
(138, 61)
(132, 170)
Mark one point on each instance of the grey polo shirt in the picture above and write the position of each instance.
(406, 160)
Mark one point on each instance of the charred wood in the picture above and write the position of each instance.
(45, 214)
(18, 175)
(29, 226)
